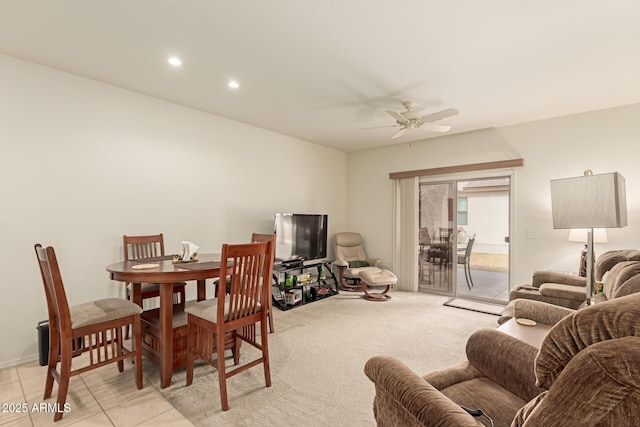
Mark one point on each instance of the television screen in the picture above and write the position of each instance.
(300, 237)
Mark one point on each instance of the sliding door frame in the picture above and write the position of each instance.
(474, 175)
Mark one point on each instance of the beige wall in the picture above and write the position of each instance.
(604, 141)
(84, 163)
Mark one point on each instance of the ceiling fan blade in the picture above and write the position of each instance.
(378, 127)
(434, 117)
(399, 117)
(399, 133)
(434, 128)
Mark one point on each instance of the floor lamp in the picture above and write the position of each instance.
(589, 201)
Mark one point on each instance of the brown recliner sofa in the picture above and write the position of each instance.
(585, 373)
(623, 278)
(569, 290)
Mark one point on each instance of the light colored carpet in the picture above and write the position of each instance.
(317, 358)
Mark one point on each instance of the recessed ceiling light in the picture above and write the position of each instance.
(175, 61)
(233, 84)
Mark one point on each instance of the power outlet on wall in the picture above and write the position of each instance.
(532, 233)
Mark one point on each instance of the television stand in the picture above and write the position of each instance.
(299, 284)
(290, 265)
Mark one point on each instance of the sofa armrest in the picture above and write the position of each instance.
(446, 377)
(541, 312)
(562, 290)
(404, 398)
(542, 276)
(505, 360)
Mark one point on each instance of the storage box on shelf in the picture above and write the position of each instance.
(300, 284)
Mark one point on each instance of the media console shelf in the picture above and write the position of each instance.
(296, 285)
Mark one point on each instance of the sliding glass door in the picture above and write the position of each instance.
(436, 239)
(464, 237)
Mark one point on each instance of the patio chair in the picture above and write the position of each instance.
(464, 258)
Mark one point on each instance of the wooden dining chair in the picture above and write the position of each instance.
(96, 326)
(249, 267)
(150, 247)
(259, 237)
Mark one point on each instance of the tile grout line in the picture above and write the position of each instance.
(96, 399)
(24, 395)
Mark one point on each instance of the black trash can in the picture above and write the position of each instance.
(43, 342)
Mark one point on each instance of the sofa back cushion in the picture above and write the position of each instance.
(599, 387)
(626, 280)
(612, 319)
(607, 260)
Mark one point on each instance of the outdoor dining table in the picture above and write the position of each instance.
(168, 351)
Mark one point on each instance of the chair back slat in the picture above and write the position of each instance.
(140, 247)
(57, 304)
(248, 266)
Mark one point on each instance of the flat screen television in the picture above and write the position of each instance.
(300, 237)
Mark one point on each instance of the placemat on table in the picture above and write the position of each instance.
(153, 258)
(198, 265)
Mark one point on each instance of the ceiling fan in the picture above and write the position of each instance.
(411, 119)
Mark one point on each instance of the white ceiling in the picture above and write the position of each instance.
(321, 70)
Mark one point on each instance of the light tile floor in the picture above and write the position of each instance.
(101, 397)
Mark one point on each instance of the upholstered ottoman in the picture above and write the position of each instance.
(377, 278)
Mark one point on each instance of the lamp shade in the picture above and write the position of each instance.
(580, 235)
(590, 201)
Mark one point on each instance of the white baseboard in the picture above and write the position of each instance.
(20, 361)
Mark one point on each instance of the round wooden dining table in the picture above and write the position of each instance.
(165, 273)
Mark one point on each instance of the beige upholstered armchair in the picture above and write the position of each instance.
(351, 259)
(585, 373)
(569, 290)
